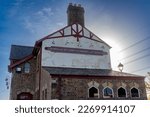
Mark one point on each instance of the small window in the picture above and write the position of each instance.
(26, 68)
(134, 92)
(121, 92)
(107, 92)
(18, 70)
(93, 92)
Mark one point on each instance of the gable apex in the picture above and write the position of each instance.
(75, 30)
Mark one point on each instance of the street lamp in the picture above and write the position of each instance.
(120, 67)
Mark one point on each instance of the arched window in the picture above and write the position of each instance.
(134, 92)
(24, 96)
(26, 68)
(93, 92)
(121, 92)
(107, 92)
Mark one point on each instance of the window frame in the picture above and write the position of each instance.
(27, 68)
(108, 96)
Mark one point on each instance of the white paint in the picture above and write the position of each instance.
(80, 27)
(86, 33)
(67, 31)
(93, 84)
(75, 60)
(54, 59)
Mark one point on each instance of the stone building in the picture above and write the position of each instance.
(71, 63)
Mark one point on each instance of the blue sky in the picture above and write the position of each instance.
(120, 23)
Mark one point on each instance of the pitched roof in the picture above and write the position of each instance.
(87, 72)
(18, 52)
(75, 30)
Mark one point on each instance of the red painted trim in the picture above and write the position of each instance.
(73, 29)
(47, 37)
(91, 35)
(77, 34)
(21, 61)
(98, 37)
(81, 31)
(61, 32)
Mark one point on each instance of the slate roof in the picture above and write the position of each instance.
(87, 72)
(18, 52)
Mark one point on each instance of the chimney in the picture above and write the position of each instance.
(75, 14)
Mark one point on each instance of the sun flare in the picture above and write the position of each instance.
(115, 53)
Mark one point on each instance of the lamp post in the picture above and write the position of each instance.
(120, 67)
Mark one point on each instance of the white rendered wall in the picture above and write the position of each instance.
(57, 59)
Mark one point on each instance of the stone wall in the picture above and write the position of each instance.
(78, 88)
(23, 82)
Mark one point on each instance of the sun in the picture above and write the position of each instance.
(115, 54)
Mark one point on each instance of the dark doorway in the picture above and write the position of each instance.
(93, 92)
(24, 96)
(134, 92)
(121, 92)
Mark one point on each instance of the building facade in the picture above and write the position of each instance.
(71, 63)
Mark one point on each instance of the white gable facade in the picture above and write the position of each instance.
(75, 47)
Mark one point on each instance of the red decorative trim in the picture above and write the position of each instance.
(73, 29)
(75, 36)
(61, 32)
(91, 35)
(21, 61)
(75, 50)
(48, 36)
(78, 34)
(97, 37)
